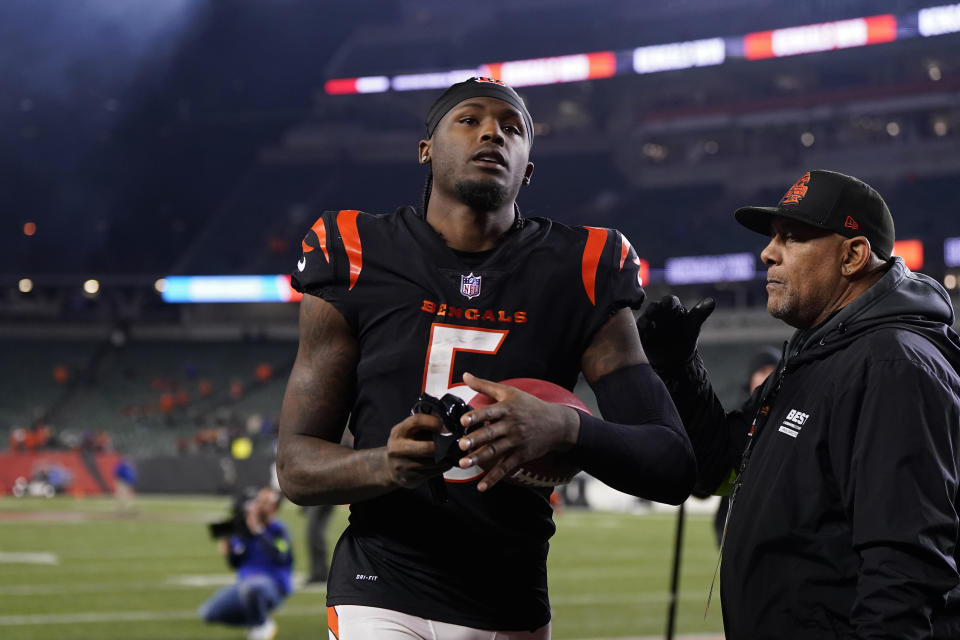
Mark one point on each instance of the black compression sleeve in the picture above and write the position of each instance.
(643, 450)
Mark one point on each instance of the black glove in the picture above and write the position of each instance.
(669, 332)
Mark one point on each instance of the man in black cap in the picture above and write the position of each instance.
(843, 467)
(414, 303)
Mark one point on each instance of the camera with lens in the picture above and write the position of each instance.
(236, 524)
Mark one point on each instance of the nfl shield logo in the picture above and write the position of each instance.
(470, 286)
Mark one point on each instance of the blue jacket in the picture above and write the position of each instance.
(268, 553)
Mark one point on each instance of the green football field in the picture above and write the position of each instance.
(74, 569)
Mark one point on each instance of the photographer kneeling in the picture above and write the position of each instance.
(260, 551)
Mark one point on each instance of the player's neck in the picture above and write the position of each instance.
(465, 229)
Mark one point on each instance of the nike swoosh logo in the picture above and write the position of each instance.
(302, 263)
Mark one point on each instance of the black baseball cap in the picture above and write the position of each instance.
(832, 201)
(476, 88)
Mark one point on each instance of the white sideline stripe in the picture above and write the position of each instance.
(622, 572)
(90, 587)
(209, 580)
(139, 616)
(134, 616)
(624, 598)
(107, 587)
(28, 557)
(200, 581)
(130, 616)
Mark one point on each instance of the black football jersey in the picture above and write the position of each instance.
(423, 314)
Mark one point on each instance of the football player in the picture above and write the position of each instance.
(451, 297)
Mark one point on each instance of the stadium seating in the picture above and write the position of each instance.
(146, 395)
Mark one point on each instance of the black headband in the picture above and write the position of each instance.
(476, 88)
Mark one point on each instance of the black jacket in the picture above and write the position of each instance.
(844, 523)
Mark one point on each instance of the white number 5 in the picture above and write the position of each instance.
(445, 341)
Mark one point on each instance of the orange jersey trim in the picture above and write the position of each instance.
(320, 229)
(333, 622)
(347, 224)
(596, 238)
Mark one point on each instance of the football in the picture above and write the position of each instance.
(553, 468)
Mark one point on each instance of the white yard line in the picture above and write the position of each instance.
(133, 616)
(119, 616)
(140, 616)
(28, 557)
(592, 600)
(171, 583)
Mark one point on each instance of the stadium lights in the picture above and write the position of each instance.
(656, 152)
(418, 81)
(826, 36)
(731, 267)
(950, 281)
(951, 252)
(160, 285)
(29, 228)
(936, 21)
(540, 71)
(679, 55)
(25, 285)
(775, 43)
(180, 289)
(91, 287)
(807, 139)
(911, 251)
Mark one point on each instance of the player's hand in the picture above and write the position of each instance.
(669, 332)
(518, 427)
(409, 451)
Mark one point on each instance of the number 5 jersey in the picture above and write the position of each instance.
(423, 314)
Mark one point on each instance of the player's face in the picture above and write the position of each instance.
(481, 143)
(265, 504)
(804, 281)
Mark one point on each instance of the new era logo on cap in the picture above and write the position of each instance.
(832, 201)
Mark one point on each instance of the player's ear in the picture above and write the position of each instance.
(423, 151)
(527, 173)
(855, 255)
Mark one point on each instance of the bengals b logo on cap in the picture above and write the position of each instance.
(797, 191)
(832, 201)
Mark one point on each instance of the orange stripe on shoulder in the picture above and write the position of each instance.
(320, 229)
(596, 238)
(347, 224)
(333, 622)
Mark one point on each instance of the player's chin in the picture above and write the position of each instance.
(484, 192)
(489, 185)
(778, 306)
